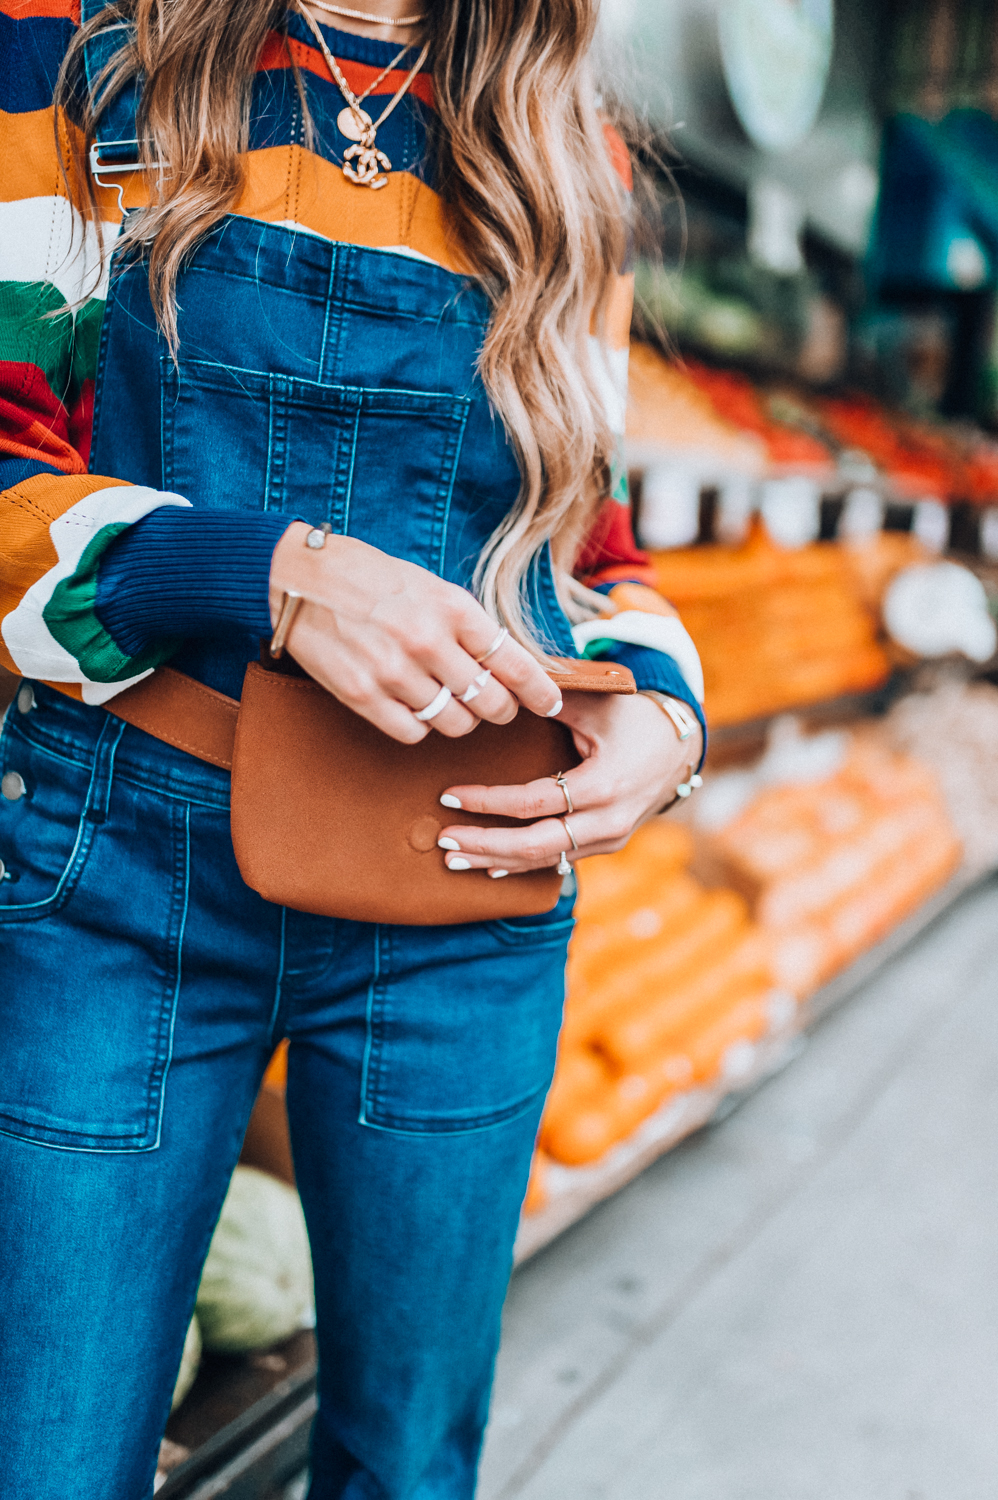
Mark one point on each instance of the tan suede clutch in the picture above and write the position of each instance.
(331, 816)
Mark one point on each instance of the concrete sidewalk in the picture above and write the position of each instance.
(801, 1303)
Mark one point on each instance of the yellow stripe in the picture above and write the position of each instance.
(282, 183)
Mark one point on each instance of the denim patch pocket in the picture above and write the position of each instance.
(90, 958)
(463, 1023)
(379, 464)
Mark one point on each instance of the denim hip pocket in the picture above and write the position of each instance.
(91, 918)
(462, 1023)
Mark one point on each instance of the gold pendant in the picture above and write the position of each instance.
(371, 164)
(347, 123)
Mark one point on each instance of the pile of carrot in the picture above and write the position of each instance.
(667, 983)
(828, 868)
(775, 628)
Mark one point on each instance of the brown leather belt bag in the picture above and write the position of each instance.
(331, 816)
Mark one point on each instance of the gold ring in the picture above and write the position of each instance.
(559, 777)
(568, 829)
(494, 647)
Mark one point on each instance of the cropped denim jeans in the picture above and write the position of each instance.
(143, 988)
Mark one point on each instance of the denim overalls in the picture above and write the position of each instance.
(145, 986)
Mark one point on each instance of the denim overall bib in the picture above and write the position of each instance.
(338, 383)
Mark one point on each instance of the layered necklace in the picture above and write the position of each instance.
(363, 163)
(362, 15)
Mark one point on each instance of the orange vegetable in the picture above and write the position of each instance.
(665, 1020)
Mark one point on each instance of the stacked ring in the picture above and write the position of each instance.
(500, 638)
(559, 777)
(436, 706)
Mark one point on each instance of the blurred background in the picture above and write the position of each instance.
(757, 1256)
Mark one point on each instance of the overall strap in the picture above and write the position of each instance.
(116, 148)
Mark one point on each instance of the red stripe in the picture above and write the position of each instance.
(24, 10)
(280, 52)
(619, 155)
(35, 424)
(611, 544)
(81, 421)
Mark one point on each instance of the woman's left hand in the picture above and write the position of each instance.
(632, 762)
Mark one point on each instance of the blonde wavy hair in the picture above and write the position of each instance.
(533, 202)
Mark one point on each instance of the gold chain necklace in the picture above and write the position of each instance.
(371, 164)
(362, 15)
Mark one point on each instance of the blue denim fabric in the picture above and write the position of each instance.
(143, 989)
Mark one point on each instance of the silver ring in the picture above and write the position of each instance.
(559, 777)
(564, 868)
(568, 829)
(474, 687)
(437, 706)
(494, 647)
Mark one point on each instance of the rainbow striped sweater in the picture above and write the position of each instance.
(101, 579)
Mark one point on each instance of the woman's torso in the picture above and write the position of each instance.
(328, 345)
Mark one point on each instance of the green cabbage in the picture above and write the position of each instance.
(189, 1362)
(256, 1287)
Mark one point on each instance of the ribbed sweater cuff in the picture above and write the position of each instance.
(181, 572)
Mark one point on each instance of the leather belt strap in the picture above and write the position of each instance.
(185, 713)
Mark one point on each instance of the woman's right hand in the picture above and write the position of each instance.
(383, 636)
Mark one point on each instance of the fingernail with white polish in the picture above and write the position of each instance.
(458, 864)
(449, 844)
(497, 874)
(482, 678)
(553, 712)
(448, 801)
(469, 694)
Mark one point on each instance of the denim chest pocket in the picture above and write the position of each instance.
(89, 949)
(379, 464)
(463, 1023)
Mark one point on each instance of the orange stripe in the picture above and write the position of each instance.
(617, 329)
(27, 551)
(288, 182)
(280, 52)
(282, 182)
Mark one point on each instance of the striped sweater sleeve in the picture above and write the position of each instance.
(99, 579)
(56, 520)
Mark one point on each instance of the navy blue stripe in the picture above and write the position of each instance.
(15, 470)
(31, 53)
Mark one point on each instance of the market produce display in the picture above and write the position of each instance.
(775, 627)
(831, 842)
(696, 942)
(257, 1283)
(668, 985)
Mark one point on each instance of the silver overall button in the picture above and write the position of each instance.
(12, 786)
(3, 870)
(26, 698)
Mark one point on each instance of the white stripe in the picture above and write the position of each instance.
(27, 637)
(610, 374)
(405, 250)
(47, 239)
(633, 627)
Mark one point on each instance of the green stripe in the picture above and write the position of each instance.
(26, 334)
(88, 326)
(71, 617)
